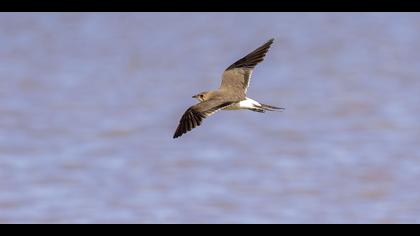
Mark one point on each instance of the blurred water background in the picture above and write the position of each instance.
(89, 103)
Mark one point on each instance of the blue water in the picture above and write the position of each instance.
(89, 103)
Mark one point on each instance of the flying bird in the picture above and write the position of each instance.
(230, 96)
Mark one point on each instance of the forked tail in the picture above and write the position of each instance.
(270, 108)
(264, 107)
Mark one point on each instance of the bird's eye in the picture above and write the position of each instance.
(201, 96)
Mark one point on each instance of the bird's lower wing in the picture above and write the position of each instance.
(195, 115)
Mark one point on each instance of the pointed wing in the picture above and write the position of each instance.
(195, 115)
(237, 76)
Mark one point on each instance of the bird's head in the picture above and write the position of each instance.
(203, 96)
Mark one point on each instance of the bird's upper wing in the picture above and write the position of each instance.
(195, 115)
(237, 76)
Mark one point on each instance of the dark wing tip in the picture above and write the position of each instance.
(269, 42)
(189, 121)
(253, 58)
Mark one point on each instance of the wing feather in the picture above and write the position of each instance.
(194, 115)
(238, 75)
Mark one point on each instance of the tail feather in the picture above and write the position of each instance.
(270, 108)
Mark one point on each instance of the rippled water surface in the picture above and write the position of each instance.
(89, 104)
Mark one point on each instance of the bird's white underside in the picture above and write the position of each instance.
(244, 104)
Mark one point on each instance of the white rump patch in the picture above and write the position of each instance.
(244, 104)
(249, 103)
